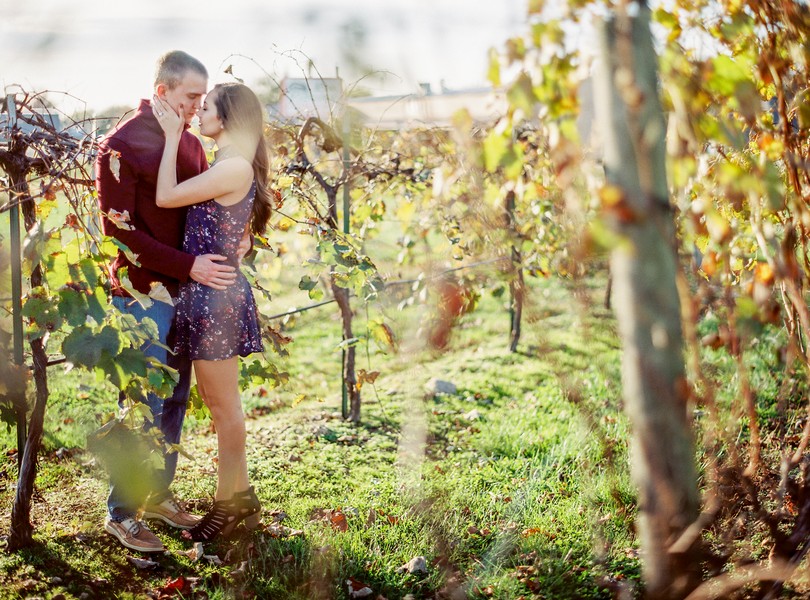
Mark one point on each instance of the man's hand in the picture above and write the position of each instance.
(208, 272)
(245, 244)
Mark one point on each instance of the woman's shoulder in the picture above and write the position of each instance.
(234, 165)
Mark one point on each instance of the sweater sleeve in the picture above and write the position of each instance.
(116, 183)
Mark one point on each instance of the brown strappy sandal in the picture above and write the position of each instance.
(224, 516)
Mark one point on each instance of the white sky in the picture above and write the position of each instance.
(103, 51)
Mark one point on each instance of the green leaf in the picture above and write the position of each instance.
(348, 343)
(521, 94)
(43, 313)
(133, 361)
(726, 74)
(182, 451)
(57, 270)
(35, 242)
(158, 379)
(79, 349)
(307, 283)
(494, 71)
(73, 306)
(109, 340)
(84, 346)
(89, 272)
(133, 258)
(114, 372)
(513, 162)
(666, 18)
(97, 304)
(382, 334)
(496, 147)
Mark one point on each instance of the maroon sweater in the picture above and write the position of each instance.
(126, 177)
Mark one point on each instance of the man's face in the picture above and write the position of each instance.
(189, 92)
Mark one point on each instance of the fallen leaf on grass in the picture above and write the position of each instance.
(277, 531)
(29, 584)
(334, 517)
(535, 531)
(473, 415)
(195, 553)
(240, 571)
(417, 565)
(142, 563)
(277, 515)
(358, 589)
(338, 521)
(178, 585)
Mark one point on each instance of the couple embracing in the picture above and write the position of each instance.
(187, 227)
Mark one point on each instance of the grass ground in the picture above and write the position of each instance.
(515, 486)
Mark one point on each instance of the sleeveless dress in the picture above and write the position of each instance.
(217, 324)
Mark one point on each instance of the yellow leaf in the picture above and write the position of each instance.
(158, 291)
(285, 224)
(719, 229)
(763, 273)
(611, 195)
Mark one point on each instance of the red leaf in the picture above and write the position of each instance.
(178, 585)
(338, 520)
(358, 589)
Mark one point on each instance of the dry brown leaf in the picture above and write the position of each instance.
(115, 165)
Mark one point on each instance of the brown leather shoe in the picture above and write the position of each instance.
(134, 535)
(172, 513)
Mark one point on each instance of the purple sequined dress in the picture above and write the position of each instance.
(217, 324)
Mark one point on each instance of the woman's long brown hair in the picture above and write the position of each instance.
(241, 113)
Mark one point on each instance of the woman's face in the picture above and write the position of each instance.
(210, 123)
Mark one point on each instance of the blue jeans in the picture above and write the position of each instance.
(127, 493)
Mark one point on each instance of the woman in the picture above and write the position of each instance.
(217, 324)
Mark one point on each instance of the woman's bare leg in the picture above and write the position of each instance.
(219, 382)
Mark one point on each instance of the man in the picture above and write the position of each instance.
(126, 175)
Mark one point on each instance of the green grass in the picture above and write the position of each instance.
(515, 486)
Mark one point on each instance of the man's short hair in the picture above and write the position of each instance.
(173, 66)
